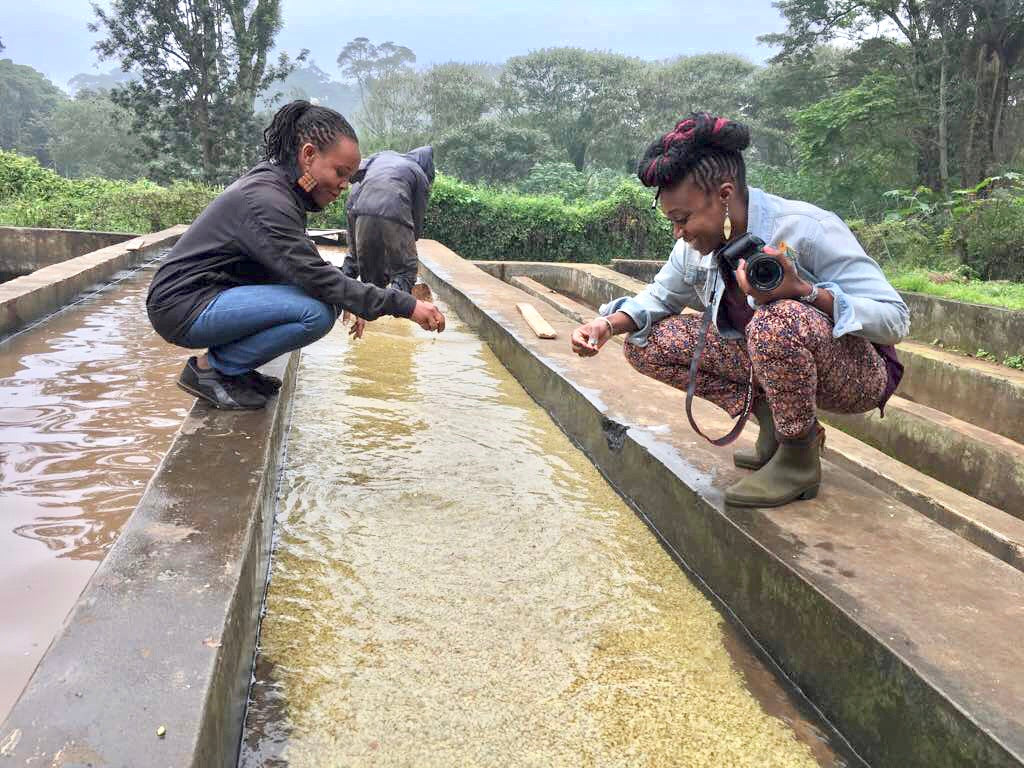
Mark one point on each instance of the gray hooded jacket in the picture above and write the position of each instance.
(393, 186)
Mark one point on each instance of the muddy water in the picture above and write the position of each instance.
(87, 409)
(455, 585)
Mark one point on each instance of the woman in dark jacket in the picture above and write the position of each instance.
(246, 283)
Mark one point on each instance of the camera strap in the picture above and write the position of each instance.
(692, 386)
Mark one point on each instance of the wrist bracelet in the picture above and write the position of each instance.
(811, 297)
(611, 328)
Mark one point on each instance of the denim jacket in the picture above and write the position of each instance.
(828, 255)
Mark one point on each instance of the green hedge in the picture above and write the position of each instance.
(32, 196)
(489, 224)
(494, 225)
(477, 222)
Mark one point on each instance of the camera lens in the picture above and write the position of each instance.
(764, 273)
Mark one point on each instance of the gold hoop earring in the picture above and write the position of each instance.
(727, 224)
(307, 182)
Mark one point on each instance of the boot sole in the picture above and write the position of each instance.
(804, 495)
(214, 403)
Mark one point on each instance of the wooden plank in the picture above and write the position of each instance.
(328, 236)
(540, 326)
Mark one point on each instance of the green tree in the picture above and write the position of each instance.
(87, 81)
(972, 46)
(840, 144)
(92, 137)
(383, 74)
(457, 95)
(996, 56)
(717, 82)
(201, 65)
(312, 83)
(492, 151)
(28, 100)
(586, 101)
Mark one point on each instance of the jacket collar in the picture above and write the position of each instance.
(757, 219)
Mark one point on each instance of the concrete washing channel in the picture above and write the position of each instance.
(892, 602)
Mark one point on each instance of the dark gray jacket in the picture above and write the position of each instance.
(393, 186)
(255, 233)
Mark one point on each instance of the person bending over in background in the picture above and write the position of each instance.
(385, 211)
(820, 339)
(245, 281)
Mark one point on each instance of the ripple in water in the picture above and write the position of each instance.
(455, 584)
(88, 407)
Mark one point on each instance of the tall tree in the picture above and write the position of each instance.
(201, 64)
(92, 137)
(457, 95)
(583, 100)
(716, 82)
(493, 151)
(28, 100)
(997, 50)
(88, 81)
(382, 74)
(312, 83)
(924, 26)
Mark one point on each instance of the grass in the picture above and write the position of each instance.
(996, 293)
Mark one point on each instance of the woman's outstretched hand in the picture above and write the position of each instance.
(791, 287)
(358, 326)
(427, 316)
(588, 338)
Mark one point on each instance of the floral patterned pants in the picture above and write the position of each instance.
(798, 365)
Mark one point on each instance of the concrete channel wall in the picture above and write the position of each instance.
(164, 634)
(28, 298)
(861, 600)
(955, 324)
(26, 249)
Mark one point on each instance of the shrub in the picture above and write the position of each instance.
(902, 243)
(991, 235)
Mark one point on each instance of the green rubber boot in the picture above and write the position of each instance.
(794, 472)
(766, 443)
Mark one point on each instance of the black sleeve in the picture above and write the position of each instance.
(420, 192)
(273, 233)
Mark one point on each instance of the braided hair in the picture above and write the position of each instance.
(706, 146)
(298, 122)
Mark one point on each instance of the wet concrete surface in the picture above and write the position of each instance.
(903, 633)
(153, 664)
(87, 409)
(455, 584)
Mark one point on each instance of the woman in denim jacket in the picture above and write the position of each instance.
(821, 339)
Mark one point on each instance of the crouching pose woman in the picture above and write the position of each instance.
(247, 284)
(820, 339)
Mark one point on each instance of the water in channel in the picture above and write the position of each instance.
(88, 407)
(454, 584)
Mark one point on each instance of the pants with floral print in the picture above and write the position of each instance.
(798, 365)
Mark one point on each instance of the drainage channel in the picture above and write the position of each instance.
(455, 584)
(87, 409)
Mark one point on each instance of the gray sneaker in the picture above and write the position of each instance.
(220, 391)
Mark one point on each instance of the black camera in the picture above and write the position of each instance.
(764, 270)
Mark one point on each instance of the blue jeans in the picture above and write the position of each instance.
(245, 327)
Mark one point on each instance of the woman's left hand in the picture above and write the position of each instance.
(791, 287)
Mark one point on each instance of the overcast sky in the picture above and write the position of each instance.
(51, 35)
